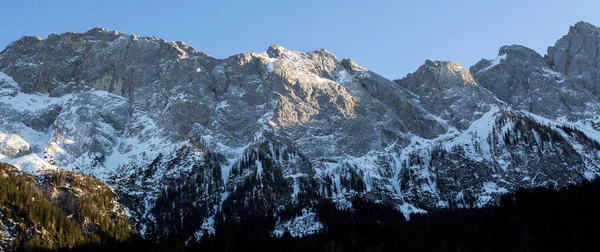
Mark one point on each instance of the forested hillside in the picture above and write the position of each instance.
(57, 210)
(542, 219)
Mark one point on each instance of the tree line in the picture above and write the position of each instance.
(540, 219)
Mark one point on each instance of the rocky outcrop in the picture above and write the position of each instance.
(577, 55)
(521, 77)
(449, 91)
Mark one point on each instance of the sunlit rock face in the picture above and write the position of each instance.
(13, 145)
(174, 130)
(310, 97)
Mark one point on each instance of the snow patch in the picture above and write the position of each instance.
(558, 77)
(494, 62)
(489, 190)
(31, 164)
(33, 102)
(221, 105)
(305, 224)
(207, 228)
(408, 209)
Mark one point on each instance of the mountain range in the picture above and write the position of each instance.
(185, 141)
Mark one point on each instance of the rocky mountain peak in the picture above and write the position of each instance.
(448, 90)
(353, 67)
(98, 30)
(577, 55)
(524, 79)
(521, 53)
(438, 75)
(99, 58)
(23, 41)
(511, 55)
(584, 27)
(440, 64)
(275, 50)
(99, 33)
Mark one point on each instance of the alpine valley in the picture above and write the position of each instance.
(118, 135)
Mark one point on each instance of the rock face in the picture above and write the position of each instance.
(189, 140)
(577, 55)
(522, 78)
(449, 91)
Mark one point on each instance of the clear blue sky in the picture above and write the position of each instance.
(391, 37)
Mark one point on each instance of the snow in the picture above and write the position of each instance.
(494, 62)
(295, 183)
(489, 189)
(31, 164)
(33, 102)
(259, 168)
(6, 78)
(221, 105)
(270, 66)
(590, 158)
(13, 141)
(149, 140)
(207, 228)
(366, 165)
(343, 77)
(233, 154)
(305, 224)
(408, 209)
(558, 77)
(41, 141)
(296, 188)
(144, 146)
(476, 135)
(586, 128)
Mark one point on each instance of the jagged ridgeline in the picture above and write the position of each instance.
(272, 143)
(57, 210)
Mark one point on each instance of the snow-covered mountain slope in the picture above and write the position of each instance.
(189, 141)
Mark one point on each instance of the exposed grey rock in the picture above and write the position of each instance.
(577, 55)
(403, 102)
(89, 126)
(448, 90)
(178, 88)
(521, 77)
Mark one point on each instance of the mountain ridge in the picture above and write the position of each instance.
(277, 133)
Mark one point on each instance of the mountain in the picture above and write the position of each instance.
(449, 91)
(191, 143)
